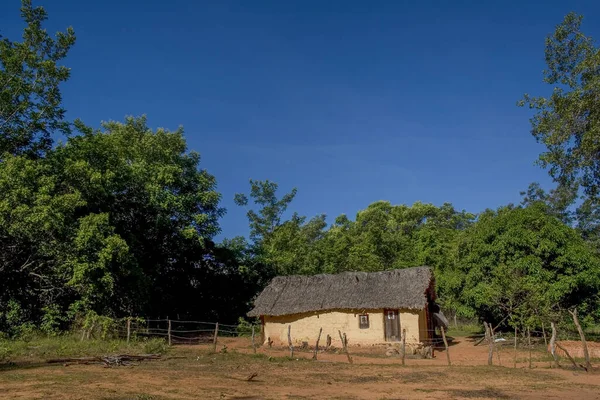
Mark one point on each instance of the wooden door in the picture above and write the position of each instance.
(392, 326)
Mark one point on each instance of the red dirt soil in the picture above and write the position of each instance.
(196, 374)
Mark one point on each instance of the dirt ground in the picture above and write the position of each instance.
(192, 372)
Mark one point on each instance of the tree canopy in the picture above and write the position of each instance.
(567, 122)
(30, 78)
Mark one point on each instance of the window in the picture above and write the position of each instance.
(363, 321)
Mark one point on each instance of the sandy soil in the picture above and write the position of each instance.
(190, 372)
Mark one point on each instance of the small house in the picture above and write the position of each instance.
(370, 307)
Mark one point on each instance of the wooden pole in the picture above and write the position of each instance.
(317, 344)
(128, 328)
(455, 323)
(445, 344)
(515, 359)
(569, 357)
(529, 345)
(169, 332)
(553, 345)
(586, 353)
(488, 335)
(215, 337)
(253, 345)
(544, 334)
(344, 340)
(290, 341)
(403, 345)
(346, 346)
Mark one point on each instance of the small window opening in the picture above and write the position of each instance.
(363, 321)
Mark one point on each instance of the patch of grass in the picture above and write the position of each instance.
(65, 346)
(465, 330)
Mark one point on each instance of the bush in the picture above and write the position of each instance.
(4, 352)
(155, 346)
(244, 328)
(51, 320)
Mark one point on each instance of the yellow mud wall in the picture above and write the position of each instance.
(305, 327)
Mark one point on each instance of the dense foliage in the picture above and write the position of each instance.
(121, 220)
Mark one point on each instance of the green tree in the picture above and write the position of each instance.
(149, 213)
(268, 217)
(294, 246)
(30, 78)
(524, 264)
(568, 121)
(117, 221)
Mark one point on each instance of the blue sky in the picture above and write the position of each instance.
(349, 101)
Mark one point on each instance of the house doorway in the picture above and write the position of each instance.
(392, 326)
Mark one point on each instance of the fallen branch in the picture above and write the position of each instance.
(109, 361)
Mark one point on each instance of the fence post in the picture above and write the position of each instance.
(253, 345)
(128, 328)
(344, 340)
(570, 358)
(290, 341)
(317, 344)
(515, 360)
(488, 335)
(544, 334)
(215, 337)
(445, 344)
(403, 345)
(529, 344)
(553, 345)
(169, 332)
(586, 354)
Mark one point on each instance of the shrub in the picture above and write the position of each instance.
(155, 346)
(244, 328)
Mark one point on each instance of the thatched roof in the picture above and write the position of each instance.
(399, 288)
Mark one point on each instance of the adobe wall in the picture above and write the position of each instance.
(305, 327)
